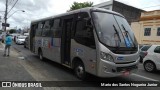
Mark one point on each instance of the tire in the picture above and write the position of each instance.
(149, 66)
(79, 70)
(40, 54)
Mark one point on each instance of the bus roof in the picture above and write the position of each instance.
(88, 9)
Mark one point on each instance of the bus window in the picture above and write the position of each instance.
(51, 23)
(39, 30)
(84, 35)
(46, 29)
(33, 29)
(56, 28)
(56, 23)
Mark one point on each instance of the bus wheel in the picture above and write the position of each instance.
(80, 70)
(40, 55)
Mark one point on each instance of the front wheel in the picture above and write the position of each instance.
(80, 70)
(149, 66)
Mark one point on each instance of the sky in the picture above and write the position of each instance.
(36, 9)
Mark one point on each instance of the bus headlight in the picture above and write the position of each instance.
(106, 56)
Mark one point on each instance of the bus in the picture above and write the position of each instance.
(88, 40)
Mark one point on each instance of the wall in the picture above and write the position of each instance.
(136, 27)
(153, 38)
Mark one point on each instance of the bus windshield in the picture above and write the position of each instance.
(113, 30)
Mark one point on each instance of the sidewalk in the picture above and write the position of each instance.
(10, 67)
(13, 52)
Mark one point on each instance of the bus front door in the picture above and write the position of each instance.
(66, 41)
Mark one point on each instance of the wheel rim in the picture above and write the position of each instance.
(80, 71)
(149, 66)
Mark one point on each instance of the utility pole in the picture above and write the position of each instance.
(0, 22)
(5, 16)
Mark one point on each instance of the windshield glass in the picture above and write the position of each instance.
(113, 30)
(126, 31)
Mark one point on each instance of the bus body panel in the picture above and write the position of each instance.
(50, 47)
(109, 69)
(112, 69)
(46, 47)
(86, 54)
(119, 58)
(55, 49)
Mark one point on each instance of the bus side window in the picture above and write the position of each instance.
(51, 23)
(84, 34)
(56, 28)
(46, 29)
(39, 30)
(33, 29)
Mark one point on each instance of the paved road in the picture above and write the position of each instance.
(50, 71)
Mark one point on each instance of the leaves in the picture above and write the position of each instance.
(77, 5)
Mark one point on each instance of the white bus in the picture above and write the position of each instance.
(89, 40)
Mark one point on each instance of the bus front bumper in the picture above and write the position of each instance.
(110, 69)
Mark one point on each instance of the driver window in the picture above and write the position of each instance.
(84, 34)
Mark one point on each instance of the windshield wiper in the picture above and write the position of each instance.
(128, 34)
(117, 33)
(119, 39)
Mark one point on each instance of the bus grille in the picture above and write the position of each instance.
(128, 68)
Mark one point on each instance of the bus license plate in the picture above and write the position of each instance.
(126, 73)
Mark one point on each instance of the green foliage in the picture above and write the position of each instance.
(12, 31)
(77, 5)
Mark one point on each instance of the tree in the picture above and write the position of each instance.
(77, 5)
(12, 31)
